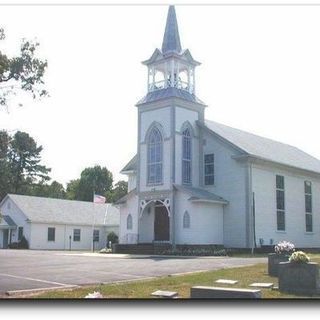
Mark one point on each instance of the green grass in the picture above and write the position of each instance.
(181, 284)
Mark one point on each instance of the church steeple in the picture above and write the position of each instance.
(171, 39)
(171, 68)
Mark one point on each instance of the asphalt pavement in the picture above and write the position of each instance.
(25, 270)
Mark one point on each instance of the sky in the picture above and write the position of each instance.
(260, 72)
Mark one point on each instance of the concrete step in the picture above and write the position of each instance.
(140, 248)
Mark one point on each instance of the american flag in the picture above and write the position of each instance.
(99, 199)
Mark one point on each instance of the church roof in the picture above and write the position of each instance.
(171, 45)
(256, 146)
(131, 165)
(171, 39)
(170, 92)
(49, 210)
(125, 197)
(197, 194)
(264, 148)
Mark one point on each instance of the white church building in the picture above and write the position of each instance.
(199, 182)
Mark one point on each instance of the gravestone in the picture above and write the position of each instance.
(299, 278)
(165, 294)
(261, 285)
(226, 281)
(202, 292)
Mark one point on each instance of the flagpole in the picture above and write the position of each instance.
(93, 221)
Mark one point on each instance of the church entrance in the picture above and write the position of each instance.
(161, 223)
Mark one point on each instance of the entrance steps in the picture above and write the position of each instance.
(141, 248)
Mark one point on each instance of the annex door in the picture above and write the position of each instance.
(161, 224)
(5, 238)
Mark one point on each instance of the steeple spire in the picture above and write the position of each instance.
(171, 68)
(171, 39)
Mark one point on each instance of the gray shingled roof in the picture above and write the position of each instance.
(125, 197)
(170, 92)
(200, 194)
(131, 165)
(265, 148)
(48, 210)
(171, 39)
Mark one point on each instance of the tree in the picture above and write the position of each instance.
(120, 189)
(53, 190)
(24, 159)
(21, 73)
(95, 179)
(20, 166)
(72, 189)
(5, 172)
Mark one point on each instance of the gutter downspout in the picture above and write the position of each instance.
(252, 228)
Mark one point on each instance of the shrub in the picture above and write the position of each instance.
(112, 237)
(13, 245)
(194, 252)
(22, 244)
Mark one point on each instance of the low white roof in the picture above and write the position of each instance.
(49, 210)
(265, 148)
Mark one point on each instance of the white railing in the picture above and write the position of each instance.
(183, 85)
(157, 85)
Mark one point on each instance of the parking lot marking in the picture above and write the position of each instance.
(27, 291)
(33, 279)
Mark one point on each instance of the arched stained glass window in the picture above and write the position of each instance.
(186, 220)
(129, 222)
(186, 156)
(155, 156)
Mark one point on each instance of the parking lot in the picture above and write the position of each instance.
(22, 270)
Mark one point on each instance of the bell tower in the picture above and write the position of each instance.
(169, 110)
(169, 147)
(171, 67)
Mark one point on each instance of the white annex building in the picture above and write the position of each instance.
(199, 182)
(56, 224)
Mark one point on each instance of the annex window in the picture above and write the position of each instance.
(186, 220)
(280, 203)
(209, 169)
(96, 235)
(308, 205)
(154, 157)
(20, 233)
(129, 222)
(186, 156)
(76, 234)
(51, 234)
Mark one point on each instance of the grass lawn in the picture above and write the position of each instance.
(181, 284)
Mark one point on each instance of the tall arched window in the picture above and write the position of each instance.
(129, 222)
(186, 156)
(155, 156)
(186, 220)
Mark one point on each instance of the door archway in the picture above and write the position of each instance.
(161, 223)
